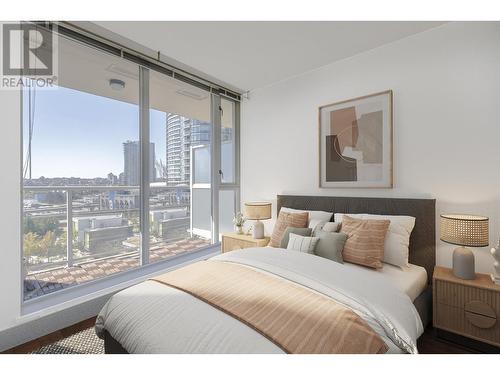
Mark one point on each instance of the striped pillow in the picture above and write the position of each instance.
(285, 220)
(365, 241)
(302, 243)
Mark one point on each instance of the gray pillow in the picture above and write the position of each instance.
(330, 245)
(306, 232)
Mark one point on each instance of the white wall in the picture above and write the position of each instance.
(446, 84)
(10, 219)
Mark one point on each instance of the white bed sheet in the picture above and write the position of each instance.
(154, 318)
(410, 280)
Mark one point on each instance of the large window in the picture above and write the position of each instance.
(116, 151)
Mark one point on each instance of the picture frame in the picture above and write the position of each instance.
(356, 142)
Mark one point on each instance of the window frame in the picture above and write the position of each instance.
(230, 186)
(101, 285)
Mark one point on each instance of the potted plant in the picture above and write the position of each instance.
(238, 222)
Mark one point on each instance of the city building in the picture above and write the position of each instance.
(113, 179)
(171, 224)
(181, 134)
(94, 230)
(113, 200)
(131, 163)
(94, 237)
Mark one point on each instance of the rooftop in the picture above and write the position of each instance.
(46, 282)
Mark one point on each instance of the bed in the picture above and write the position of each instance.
(151, 317)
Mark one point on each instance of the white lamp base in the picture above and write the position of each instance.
(463, 264)
(258, 230)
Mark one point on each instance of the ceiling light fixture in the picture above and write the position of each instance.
(116, 84)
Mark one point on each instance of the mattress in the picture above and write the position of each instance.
(154, 318)
(410, 280)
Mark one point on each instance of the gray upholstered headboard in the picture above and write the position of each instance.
(423, 237)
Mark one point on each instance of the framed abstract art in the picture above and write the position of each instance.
(355, 142)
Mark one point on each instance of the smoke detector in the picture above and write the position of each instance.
(116, 84)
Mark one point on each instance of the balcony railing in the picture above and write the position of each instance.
(167, 199)
(55, 210)
(77, 234)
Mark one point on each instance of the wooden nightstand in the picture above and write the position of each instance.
(469, 308)
(233, 241)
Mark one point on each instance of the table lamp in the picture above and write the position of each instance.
(464, 230)
(258, 211)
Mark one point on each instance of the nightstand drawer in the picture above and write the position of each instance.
(468, 323)
(467, 307)
(459, 296)
(233, 241)
(230, 244)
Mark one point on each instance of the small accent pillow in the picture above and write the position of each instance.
(299, 231)
(331, 227)
(302, 243)
(318, 225)
(330, 245)
(365, 241)
(285, 220)
(397, 240)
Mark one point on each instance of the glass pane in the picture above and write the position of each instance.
(201, 164)
(227, 210)
(81, 143)
(228, 142)
(179, 127)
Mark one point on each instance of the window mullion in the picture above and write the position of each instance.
(144, 161)
(216, 164)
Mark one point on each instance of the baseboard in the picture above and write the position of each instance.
(467, 342)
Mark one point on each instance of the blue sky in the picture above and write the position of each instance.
(81, 135)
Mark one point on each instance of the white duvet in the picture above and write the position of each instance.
(153, 318)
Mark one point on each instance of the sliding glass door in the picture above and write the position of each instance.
(124, 166)
(181, 137)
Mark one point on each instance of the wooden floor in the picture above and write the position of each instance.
(428, 343)
(51, 337)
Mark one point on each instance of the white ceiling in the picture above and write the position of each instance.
(89, 70)
(249, 55)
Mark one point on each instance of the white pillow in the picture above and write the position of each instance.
(325, 226)
(301, 243)
(313, 215)
(397, 240)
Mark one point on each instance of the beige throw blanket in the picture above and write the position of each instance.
(293, 317)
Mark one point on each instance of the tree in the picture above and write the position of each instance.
(30, 245)
(41, 226)
(47, 243)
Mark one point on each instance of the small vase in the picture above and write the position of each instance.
(495, 252)
(238, 229)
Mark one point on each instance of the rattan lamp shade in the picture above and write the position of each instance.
(465, 230)
(258, 210)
